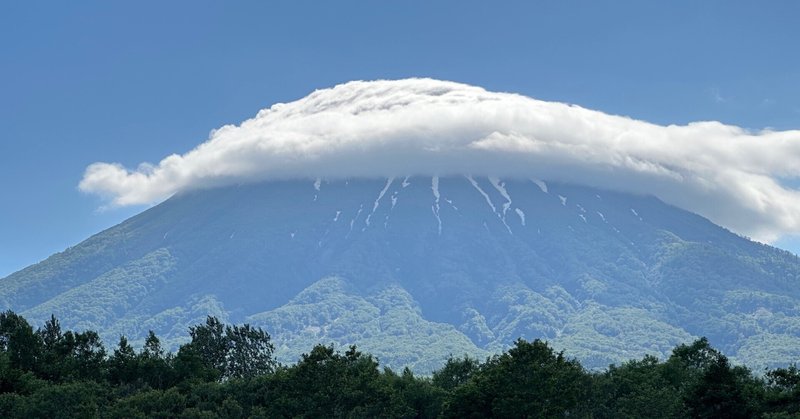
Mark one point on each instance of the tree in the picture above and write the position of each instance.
(81, 355)
(412, 396)
(18, 340)
(687, 363)
(325, 383)
(69, 400)
(210, 344)
(719, 393)
(155, 368)
(249, 352)
(783, 390)
(530, 380)
(123, 364)
(50, 334)
(456, 371)
(53, 353)
(152, 346)
(228, 351)
(637, 389)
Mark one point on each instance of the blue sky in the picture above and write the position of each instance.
(128, 83)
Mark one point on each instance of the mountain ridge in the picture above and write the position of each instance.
(604, 275)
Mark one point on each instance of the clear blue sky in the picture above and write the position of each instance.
(134, 82)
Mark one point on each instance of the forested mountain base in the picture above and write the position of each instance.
(230, 371)
(413, 269)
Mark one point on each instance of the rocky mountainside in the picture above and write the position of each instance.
(414, 269)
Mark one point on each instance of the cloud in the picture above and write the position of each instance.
(715, 94)
(424, 127)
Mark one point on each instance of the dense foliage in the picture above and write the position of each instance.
(230, 371)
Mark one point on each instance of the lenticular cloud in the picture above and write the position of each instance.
(430, 127)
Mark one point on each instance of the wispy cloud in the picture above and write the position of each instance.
(427, 127)
(716, 95)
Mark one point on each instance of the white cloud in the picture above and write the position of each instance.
(423, 126)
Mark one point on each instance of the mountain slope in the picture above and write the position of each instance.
(466, 264)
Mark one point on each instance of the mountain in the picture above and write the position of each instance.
(414, 269)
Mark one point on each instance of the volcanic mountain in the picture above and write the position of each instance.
(413, 269)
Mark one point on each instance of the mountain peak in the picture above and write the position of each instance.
(426, 127)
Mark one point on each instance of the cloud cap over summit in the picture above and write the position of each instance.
(431, 127)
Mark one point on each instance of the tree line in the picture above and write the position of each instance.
(229, 371)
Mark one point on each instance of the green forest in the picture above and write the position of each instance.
(229, 371)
